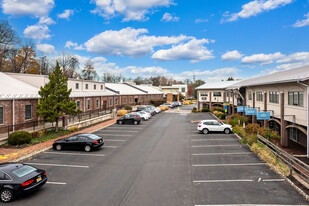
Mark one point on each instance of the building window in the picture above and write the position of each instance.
(78, 104)
(183, 89)
(259, 96)
(97, 103)
(124, 100)
(130, 99)
(1, 115)
(111, 101)
(86, 86)
(116, 102)
(88, 104)
(274, 97)
(250, 95)
(217, 94)
(101, 87)
(28, 111)
(296, 99)
(204, 94)
(76, 86)
(95, 87)
(294, 134)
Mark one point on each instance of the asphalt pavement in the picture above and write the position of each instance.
(163, 161)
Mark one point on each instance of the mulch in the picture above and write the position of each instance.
(11, 154)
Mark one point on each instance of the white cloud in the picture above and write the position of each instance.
(66, 14)
(254, 8)
(193, 50)
(128, 42)
(223, 72)
(130, 9)
(37, 8)
(45, 48)
(167, 17)
(99, 59)
(231, 56)
(147, 70)
(302, 23)
(197, 21)
(75, 46)
(46, 20)
(38, 32)
(295, 57)
(262, 59)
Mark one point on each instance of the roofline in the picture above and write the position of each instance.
(136, 87)
(117, 92)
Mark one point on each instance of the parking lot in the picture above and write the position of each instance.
(163, 161)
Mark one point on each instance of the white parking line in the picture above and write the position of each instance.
(210, 154)
(226, 145)
(56, 183)
(220, 181)
(248, 205)
(116, 131)
(214, 139)
(57, 165)
(81, 154)
(109, 147)
(223, 165)
(273, 180)
(114, 140)
(118, 135)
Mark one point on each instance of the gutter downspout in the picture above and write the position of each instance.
(307, 115)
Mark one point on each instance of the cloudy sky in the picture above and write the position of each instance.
(213, 39)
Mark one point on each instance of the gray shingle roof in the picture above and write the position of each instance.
(217, 85)
(292, 75)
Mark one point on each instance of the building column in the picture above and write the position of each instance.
(253, 105)
(284, 136)
(233, 102)
(307, 121)
(265, 107)
(224, 97)
(229, 106)
(210, 103)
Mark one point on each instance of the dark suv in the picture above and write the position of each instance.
(130, 119)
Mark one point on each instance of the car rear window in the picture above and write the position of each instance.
(23, 171)
(93, 136)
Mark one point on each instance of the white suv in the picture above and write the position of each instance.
(206, 126)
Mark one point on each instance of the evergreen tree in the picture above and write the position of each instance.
(55, 98)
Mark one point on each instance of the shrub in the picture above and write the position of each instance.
(73, 129)
(185, 103)
(128, 107)
(217, 109)
(122, 112)
(39, 133)
(157, 102)
(194, 108)
(205, 110)
(19, 138)
(235, 118)
(222, 116)
(237, 129)
(252, 128)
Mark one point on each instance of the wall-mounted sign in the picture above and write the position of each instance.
(251, 111)
(226, 107)
(263, 116)
(241, 108)
(204, 98)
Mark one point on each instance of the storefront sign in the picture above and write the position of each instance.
(241, 108)
(251, 111)
(263, 116)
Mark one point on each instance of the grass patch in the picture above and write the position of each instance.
(266, 155)
(50, 135)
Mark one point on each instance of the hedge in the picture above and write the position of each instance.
(19, 138)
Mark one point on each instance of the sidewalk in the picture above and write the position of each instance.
(8, 155)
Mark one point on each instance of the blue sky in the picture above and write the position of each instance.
(213, 39)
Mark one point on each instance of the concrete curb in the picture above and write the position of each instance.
(214, 116)
(300, 191)
(50, 147)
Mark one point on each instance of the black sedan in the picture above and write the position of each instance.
(85, 142)
(19, 179)
(130, 119)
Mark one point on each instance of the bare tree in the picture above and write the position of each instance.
(44, 65)
(89, 72)
(69, 64)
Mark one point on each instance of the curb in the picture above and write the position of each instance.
(214, 116)
(50, 147)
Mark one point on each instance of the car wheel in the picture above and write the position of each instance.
(87, 148)
(205, 131)
(227, 131)
(58, 147)
(144, 119)
(6, 195)
(120, 122)
(135, 122)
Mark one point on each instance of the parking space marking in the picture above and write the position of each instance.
(80, 154)
(116, 131)
(58, 165)
(248, 205)
(109, 147)
(226, 165)
(210, 154)
(273, 180)
(219, 145)
(118, 135)
(221, 181)
(212, 140)
(56, 183)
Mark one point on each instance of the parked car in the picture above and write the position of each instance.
(206, 126)
(129, 119)
(140, 109)
(150, 110)
(83, 141)
(170, 105)
(145, 115)
(157, 110)
(18, 179)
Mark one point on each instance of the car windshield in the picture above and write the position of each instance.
(92, 136)
(23, 171)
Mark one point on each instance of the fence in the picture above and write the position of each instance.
(89, 115)
(296, 165)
